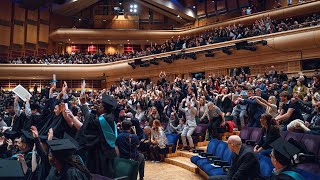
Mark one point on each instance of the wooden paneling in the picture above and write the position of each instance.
(144, 12)
(19, 13)
(5, 35)
(31, 34)
(33, 15)
(18, 34)
(44, 14)
(211, 7)
(201, 9)
(232, 4)
(5, 10)
(157, 16)
(43, 33)
(221, 5)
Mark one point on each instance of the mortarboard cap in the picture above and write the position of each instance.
(11, 134)
(28, 136)
(10, 169)
(109, 101)
(74, 142)
(284, 151)
(61, 147)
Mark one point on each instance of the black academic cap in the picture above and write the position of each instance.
(61, 147)
(284, 151)
(109, 101)
(10, 169)
(28, 136)
(67, 136)
(11, 134)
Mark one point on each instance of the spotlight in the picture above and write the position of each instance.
(250, 48)
(226, 51)
(133, 65)
(154, 61)
(264, 42)
(209, 55)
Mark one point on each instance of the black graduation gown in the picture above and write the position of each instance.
(282, 176)
(57, 123)
(99, 155)
(67, 173)
(21, 122)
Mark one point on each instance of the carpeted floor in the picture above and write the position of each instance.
(165, 171)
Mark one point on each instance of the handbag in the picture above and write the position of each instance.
(126, 167)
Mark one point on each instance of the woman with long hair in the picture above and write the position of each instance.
(270, 105)
(158, 141)
(271, 132)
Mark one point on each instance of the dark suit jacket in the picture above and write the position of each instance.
(244, 166)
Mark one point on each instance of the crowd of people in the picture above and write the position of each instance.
(126, 120)
(233, 31)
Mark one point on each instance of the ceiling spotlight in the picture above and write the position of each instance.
(194, 7)
(128, 40)
(120, 3)
(108, 39)
(104, 20)
(135, 10)
(135, 6)
(79, 19)
(178, 15)
(131, 10)
(131, 6)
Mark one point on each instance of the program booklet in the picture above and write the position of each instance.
(22, 92)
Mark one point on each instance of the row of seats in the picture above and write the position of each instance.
(219, 151)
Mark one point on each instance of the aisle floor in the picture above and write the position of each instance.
(165, 171)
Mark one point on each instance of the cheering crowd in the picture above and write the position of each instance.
(259, 27)
(63, 134)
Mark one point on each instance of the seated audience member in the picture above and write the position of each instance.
(270, 133)
(281, 158)
(171, 122)
(190, 114)
(244, 165)
(179, 129)
(158, 142)
(300, 88)
(64, 165)
(289, 111)
(127, 146)
(145, 143)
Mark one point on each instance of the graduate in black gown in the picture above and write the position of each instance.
(64, 165)
(98, 144)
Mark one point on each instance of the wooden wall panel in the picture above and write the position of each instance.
(211, 8)
(43, 33)
(232, 4)
(44, 14)
(157, 16)
(18, 34)
(33, 15)
(200, 9)
(5, 35)
(32, 34)
(5, 10)
(221, 5)
(144, 12)
(19, 13)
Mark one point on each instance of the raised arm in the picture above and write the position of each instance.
(16, 106)
(27, 108)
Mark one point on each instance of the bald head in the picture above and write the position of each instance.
(234, 139)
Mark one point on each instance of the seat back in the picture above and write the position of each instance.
(212, 146)
(256, 134)
(283, 134)
(312, 142)
(200, 130)
(227, 156)
(172, 138)
(294, 135)
(220, 149)
(266, 166)
(245, 133)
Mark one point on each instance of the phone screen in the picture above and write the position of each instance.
(66, 105)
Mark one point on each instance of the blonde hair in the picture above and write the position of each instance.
(273, 99)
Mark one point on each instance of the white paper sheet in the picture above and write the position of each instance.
(22, 92)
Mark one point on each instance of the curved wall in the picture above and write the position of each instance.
(285, 50)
